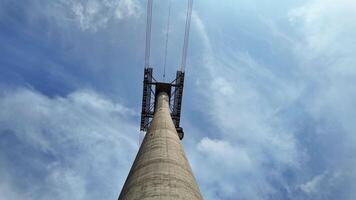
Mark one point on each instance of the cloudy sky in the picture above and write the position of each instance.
(269, 110)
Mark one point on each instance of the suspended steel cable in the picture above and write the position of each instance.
(148, 49)
(167, 38)
(148, 33)
(186, 35)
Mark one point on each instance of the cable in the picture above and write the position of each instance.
(186, 35)
(148, 33)
(167, 38)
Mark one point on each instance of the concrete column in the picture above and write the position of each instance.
(161, 169)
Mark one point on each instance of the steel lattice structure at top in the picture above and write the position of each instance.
(151, 88)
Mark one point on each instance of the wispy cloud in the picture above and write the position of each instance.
(89, 15)
(243, 105)
(327, 62)
(262, 113)
(68, 145)
(271, 114)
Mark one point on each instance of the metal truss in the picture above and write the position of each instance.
(151, 89)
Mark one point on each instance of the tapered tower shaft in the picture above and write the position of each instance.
(161, 169)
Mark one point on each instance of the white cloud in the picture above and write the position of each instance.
(218, 151)
(326, 54)
(199, 25)
(312, 185)
(256, 110)
(324, 23)
(76, 142)
(243, 106)
(91, 15)
(328, 60)
(251, 141)
(128, 8)
(325, 185)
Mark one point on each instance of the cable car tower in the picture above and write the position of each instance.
(151, 87)
(161, 170)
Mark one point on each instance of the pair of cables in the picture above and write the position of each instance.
(186, 35)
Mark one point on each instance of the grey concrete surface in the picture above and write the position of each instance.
(161, 169)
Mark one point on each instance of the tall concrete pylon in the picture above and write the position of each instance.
(161, 170)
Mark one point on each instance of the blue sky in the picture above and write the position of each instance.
(268, 110)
